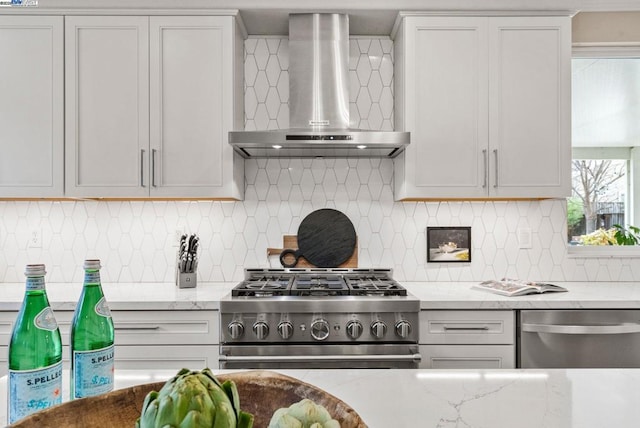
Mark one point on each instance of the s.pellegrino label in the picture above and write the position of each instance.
(92, 277)
(93, 372)
(45, 320)
(34, 390)
(35, 283)
(102, 308)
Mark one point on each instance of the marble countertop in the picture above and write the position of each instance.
(433, 295)
(586, 398)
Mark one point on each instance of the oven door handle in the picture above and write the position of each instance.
(320, 358)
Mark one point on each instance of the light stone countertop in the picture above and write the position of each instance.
(125, 296)
(433, 295)
(558, 398)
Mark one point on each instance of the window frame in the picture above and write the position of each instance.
(608, 50)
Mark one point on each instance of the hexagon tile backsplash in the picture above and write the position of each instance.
(136, 240)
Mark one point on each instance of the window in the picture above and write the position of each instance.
(605, 144)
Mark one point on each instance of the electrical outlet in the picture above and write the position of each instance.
(35, 238)
(524, 238)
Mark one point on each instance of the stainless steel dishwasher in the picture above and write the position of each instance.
(579, 338)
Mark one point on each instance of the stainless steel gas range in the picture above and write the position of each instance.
(319, 318)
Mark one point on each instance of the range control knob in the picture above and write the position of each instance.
(319, 329)
(261, 330)
(403, 328)
(354, 329)
(378, 329)
(236, 329)
(285, 329)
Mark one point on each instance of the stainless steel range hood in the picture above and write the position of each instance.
(318, 100)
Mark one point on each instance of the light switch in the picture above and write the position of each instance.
(524, 237)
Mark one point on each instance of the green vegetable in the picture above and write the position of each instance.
(193, 399)
(303, 414)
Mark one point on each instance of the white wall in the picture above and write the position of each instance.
(134, 238)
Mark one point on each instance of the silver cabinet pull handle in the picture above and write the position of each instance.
(623, 328)
(136, 327)
(153, 167)
(486, 167)
(495, 154)
(483, 328)
(141, 167)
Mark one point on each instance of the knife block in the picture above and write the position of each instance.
(186, 280)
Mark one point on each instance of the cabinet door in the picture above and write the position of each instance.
(107, 106)
(444, 66)
(529, 131)
(32, 106)
(192, 106)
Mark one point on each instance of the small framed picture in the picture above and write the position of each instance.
(449, 244)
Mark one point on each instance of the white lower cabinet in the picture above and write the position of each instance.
(144, 339)
(467, 339)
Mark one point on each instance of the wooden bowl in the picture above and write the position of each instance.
(261, 393)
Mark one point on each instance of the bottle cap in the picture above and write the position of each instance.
(92, 264)
(35, 270)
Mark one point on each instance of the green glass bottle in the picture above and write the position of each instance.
(35, 352)
(91, 338)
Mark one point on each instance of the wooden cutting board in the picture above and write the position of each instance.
(261, 393)
(291, 241)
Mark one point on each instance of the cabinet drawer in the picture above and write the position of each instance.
(467, 356)
(467, 327)
(156, 327)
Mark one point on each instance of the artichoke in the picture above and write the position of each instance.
(194, 399)
(303, 414)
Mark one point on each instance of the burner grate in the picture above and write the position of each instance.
(319, 285)
(263, 286)
(318, 282)
(375, 286)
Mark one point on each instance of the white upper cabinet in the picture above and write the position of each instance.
(150, 101)
(487, 102)
(32, 106)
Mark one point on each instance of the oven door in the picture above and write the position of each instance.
(361, 356)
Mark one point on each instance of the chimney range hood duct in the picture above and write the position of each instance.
(318, 100)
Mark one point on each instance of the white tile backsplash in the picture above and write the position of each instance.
(135, 239)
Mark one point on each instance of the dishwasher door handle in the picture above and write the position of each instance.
(623, 328)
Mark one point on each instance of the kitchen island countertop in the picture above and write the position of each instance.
(432, 295)
(586, 398)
